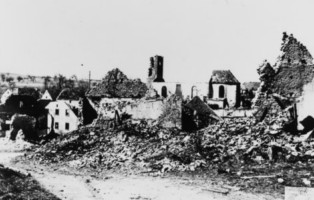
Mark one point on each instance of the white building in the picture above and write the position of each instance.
(46, 96)
(62, 116)
(7, 94)
(224, 89)
(186, 89)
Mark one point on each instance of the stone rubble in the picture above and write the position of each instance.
(147, 147)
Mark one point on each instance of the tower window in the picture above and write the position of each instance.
(194, 92)
(164, 91)
(221, 91)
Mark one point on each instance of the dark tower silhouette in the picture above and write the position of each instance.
(155, 71)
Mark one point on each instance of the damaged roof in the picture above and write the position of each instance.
(223, 76)
(201, 108)
(70, 94)
(63, 104)
(117, 85)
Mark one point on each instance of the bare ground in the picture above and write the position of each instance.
(66, 183)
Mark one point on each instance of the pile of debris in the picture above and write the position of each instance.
(148, 147)
(140, 146)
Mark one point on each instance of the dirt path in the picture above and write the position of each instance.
(76, 187)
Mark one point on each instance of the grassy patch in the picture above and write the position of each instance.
(17, 186)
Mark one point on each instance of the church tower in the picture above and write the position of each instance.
(155, 71)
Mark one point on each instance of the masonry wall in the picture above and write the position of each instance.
(230, 93)
(61, 119)
(199, 88)
(145, 109)
(138, 109)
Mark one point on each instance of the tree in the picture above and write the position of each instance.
(112, 79)
(9, 79)
(116, 84)
(47, 80)
(60, 81)
(19, 78)
(3, 77)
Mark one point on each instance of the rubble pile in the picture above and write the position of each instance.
(147, 147)
(139, 146)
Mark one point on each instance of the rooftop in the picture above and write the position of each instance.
(223, 76)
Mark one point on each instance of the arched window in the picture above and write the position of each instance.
(193, 92)
(221, 91)
(164, 91)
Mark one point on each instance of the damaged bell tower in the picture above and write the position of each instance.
(155, 71)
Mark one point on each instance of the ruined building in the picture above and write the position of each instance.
(222, 87)
(290, 78)
(155, 71)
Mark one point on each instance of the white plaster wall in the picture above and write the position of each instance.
(186, 87)
(230, 93)
(220, 103)
(139, 109)
(72, 119)
(108, 106)
(145, 109)
(305, 106)
(234, 113)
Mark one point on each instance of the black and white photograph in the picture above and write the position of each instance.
(156, 100)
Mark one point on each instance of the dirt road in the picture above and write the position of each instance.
(77, 186)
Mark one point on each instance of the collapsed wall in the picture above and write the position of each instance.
(291, 77)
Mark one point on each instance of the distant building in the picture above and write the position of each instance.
(62, 116)
(224, 89)
(164, 88)
(46, 96)
(7, 94)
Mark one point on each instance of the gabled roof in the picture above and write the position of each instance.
(69, 94)
(66, 105)
(46, 96)
(223, 76)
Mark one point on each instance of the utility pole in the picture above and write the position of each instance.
(89, 77)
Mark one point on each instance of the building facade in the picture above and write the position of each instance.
(62, 117)
(222, 89)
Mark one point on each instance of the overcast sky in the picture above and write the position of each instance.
(45, 37)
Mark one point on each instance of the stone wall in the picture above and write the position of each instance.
(230, 93)
(197, 88)
(137, 109)
(150, 109)
(291, 77)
